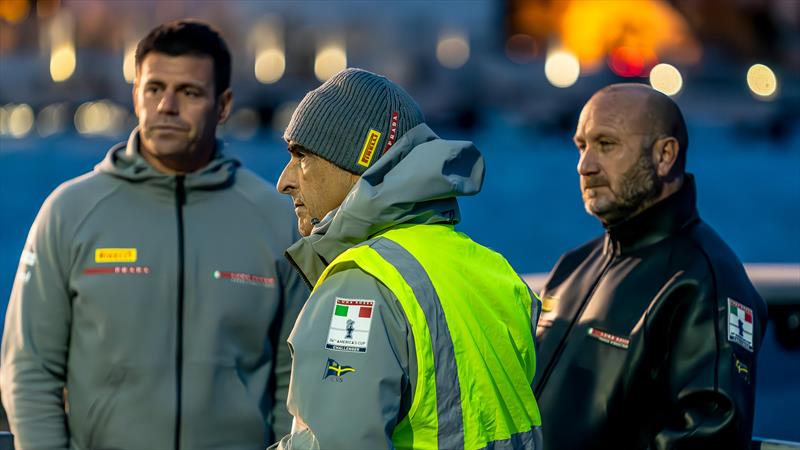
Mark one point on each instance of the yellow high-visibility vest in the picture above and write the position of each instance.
(471, 317)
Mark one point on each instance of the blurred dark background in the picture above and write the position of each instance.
(509, 75)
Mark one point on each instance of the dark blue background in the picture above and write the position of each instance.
(530, 209)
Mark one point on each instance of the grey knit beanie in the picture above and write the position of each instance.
(353, 119)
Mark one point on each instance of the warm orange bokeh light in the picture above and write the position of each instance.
(14, 11)
(636, 33)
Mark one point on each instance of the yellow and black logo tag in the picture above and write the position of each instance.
(115, 255)
(369, 148)
(549, 303)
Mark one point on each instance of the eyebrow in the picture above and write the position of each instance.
(295, 147)
(183, 85)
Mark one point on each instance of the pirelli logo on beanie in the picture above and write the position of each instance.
(369, 148)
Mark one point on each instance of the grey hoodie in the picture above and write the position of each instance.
(158, 306)
(417, 182)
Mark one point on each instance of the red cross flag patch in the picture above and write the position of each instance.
(740, 324)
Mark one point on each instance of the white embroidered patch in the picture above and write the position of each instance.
(740, 324)
(350, 325)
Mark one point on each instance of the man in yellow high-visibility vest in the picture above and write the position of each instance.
(414, 335)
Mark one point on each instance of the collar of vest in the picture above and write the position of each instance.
(417, 182)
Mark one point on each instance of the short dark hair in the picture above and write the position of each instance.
(189, 37)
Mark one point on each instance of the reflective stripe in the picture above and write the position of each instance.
(448, 387)
(529, 440)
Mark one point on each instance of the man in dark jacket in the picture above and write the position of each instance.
(649, 334)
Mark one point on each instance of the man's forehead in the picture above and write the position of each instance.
(625, 112)
(194, 68)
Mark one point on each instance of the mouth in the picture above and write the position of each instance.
(171, 128)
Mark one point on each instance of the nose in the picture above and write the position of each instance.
(168, 103)
(587, 163)
(288, 179)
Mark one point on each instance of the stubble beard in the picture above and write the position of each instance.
(637, 189)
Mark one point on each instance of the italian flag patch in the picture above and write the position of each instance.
(350, 325)
(740, 324)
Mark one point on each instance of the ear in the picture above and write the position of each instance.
(665, 155)
(225, 104)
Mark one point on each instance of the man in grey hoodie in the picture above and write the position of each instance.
(152, 304)
(414, 335)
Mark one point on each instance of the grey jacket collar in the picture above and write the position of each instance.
(124, 161)
(417, 182)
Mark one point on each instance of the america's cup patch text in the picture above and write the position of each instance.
(350, 325)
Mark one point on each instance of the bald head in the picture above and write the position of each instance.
(632, 143)
(648, 111)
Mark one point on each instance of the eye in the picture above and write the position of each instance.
(605, 144)
(152, 89)
(193, 93)
(296, 156)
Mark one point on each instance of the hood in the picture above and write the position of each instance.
(124, 161)
(417, 182)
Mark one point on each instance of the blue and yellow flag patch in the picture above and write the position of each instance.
(336, 370)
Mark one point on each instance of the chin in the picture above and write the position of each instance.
(169, 148)
(304, 228)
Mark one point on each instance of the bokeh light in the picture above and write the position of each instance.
(20, 121)
(666, 78)
(634, 34)
(330, 60)
(762, 81)
(270, 65)
(4, 120)
(100, 118)
(129, 64)
(62, 62)
(452, 50)
(14, 11)
(562, 68)
(630, 61)
(52, 119)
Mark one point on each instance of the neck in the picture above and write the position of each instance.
(179, 164)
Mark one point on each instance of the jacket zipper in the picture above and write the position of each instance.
(180, 200)
(561, 345)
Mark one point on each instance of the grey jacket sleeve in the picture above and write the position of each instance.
(351, 393)
(294, 295)
(36, 338)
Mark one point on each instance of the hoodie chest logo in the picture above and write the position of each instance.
(608, 338)
(115, 255)
(244, 278)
